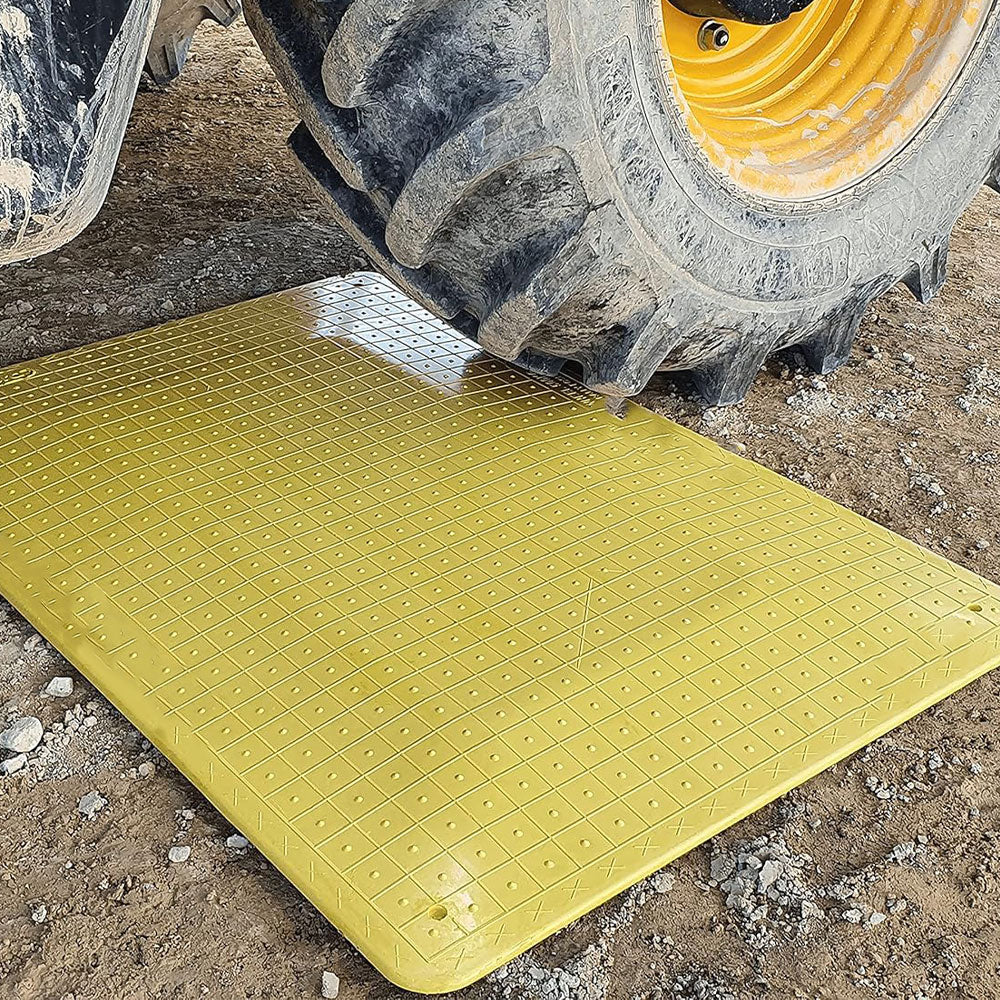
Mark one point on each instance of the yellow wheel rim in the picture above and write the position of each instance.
(809, 106)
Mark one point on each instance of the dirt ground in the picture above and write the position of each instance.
(888, 865)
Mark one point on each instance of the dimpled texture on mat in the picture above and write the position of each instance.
(463, 654)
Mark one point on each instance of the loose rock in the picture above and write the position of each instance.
(330, 987)
(22, 736)
(59, 687)
(13, 764)
(237, 842)
(178, 855)
(662, 882)
(91, 804)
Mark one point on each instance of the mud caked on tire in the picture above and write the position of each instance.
(176, 23)
(568, 184)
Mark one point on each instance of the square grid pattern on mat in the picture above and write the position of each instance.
(463, 654)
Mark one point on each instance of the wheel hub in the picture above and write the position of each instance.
(747, 11)
(819, 96)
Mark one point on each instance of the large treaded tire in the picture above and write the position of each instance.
(520, 166)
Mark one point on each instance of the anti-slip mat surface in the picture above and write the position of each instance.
(463, 654)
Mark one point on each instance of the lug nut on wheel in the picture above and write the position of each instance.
(713, 36)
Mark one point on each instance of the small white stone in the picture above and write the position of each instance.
(330, 989)
(39, 913)
(146, 769)
(178, 855)
(90, 721)
(237, 842)
(13, 764)
(22, 736)
(91, 804)
(59, 687)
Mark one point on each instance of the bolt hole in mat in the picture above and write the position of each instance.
(462, 653)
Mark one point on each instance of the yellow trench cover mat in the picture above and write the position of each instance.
(462, 653)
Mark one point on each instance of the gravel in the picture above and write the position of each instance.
(766, 886)
(585, 977)
(982, 389)
(692, 985)
(237, 842)
(179, 854)
(908, 852)
(23, 735)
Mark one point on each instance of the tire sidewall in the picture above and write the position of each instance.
(746, 248)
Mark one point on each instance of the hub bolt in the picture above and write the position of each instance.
(713, 36)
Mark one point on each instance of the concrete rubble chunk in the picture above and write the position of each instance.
(13, 764)
(22, 736)
(662, 882)
(91, 804)
(723, 866)
(769, 874)
(179, 854)
(330, 986)
(59, 687)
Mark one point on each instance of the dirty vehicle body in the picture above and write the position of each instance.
(68, 75)
(625, 187)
